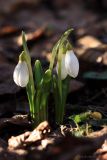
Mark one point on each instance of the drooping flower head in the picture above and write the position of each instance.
(21, 74)
(69, 65)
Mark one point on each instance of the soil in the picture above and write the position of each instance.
(44, 22)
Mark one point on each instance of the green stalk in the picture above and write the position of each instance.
(65, 85)
(45, 88)
(44, 112)
(38, 74)
(37, 107)
(56, 98)
(30, 87)
(60, 89)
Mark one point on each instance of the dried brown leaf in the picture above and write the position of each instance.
(30, 137)
(17, 142)
(98, 133)
(39, 133)
(101, 153)
(8, 30)
(32, 36)
(17, 119)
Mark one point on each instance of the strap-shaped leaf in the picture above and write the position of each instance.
(47, 76)
(38, 72)
(25, 48)
(30, 86)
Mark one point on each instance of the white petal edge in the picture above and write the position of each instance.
(71, 64)
(16, 73)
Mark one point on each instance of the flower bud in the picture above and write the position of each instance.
(21, 74)
(71, 64)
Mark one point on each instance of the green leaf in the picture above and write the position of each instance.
(47, 76)
(80, 117)
(25, 48)
(42, 96)
(38, 72)
(30, 86)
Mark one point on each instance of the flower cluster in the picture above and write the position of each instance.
(38, 82)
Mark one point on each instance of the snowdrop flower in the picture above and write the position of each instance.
(21, 74)
(69, 65)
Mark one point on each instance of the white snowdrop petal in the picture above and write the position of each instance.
(63, 69)
(71, 64)
(21, 74)
(16, 73)
(23, 77)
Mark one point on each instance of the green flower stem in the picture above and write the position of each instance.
(29, 99)
(41, 103)
(30, 87)
(38, 75)
(60, 105)
(60, 87)
(42, 83)
(44, 112)
(56, 97)
(65, 85)
(37, 107)
(45, 88)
